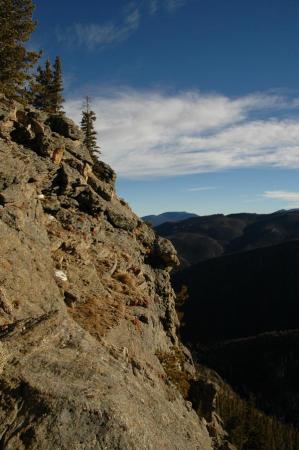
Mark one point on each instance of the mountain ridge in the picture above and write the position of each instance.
(171, 216)
(206, 237)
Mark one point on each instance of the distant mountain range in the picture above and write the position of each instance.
(201, 238)
(240, 279)
(159, 219)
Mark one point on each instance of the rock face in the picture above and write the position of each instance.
(86, 305)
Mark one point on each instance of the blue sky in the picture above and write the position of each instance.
(197, 100)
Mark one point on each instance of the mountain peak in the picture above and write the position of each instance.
(171, 216)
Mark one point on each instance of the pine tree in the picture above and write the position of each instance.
(57, 87)
(87, 126)
(46, 89)
(41, 88)
(16, 26)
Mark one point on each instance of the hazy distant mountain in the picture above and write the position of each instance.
(201, 238)
(156, 220)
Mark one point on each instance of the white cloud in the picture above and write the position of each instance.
(151, 133)
(201, 189)
(282, 195)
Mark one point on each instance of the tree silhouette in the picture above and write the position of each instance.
(47, 87)
(87, 126)
(16, 62)
(57, 86)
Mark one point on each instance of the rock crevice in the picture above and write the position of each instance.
(86, 303)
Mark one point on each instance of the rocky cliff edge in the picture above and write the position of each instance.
(89, 356)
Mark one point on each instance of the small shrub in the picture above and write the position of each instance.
(125, 278)
(173, 364)
(137, 324)
(182, 296)
(149, 224)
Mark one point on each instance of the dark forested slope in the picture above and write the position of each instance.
(241, 318)
(208, 237)
(242, 294)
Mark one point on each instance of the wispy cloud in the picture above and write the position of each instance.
(167, 5)
(153, 6)
(201, 189)
(151, 133)
(286, 196)
(101, 35)
(173, 5)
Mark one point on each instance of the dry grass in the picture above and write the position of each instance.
(126, 283)
(137, 325)
(173, 364)
(139, 301)
(125, 278)
(98, 316)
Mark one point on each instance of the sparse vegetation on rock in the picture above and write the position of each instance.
(85, 303)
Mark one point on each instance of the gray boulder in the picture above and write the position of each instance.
(64, 126)
(164, 253)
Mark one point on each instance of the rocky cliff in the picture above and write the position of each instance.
(89, 356)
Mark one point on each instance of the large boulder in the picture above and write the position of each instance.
(64, 126)
(104, 172)
(164, 254)
(47, 144)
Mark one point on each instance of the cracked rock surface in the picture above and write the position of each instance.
(86, 303)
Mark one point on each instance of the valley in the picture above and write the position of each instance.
(238, 300)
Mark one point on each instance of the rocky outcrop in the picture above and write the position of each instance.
(86, 305)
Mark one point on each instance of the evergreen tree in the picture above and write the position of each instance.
(41, 88)
(87, 126)
(16, 25)
(57, 87)
(47, 87)
(251, 429)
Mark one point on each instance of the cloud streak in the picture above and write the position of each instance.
(173, 5)
(201, 189)
(151, 133)
(282, 195)
(101, 35)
